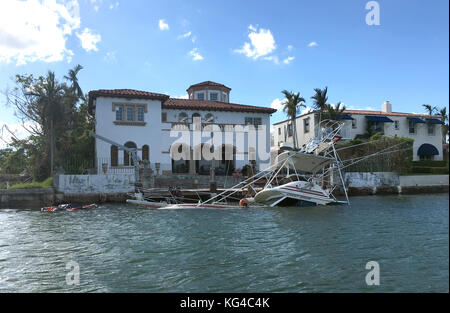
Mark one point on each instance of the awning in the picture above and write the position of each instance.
(379, 119)
(416, 120)
(346, 117)
(434, 121)
(427, 149)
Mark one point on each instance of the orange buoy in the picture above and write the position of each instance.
(244, 203)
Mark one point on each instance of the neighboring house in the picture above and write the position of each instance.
(144, 120)
(424, 129)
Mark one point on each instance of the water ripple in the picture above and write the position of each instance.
(323, 249)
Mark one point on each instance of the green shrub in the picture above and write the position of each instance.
(377, 136)
(430, 163)
(440, 170)
(421, 170)
(47, 183)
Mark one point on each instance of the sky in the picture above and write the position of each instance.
(257, 48)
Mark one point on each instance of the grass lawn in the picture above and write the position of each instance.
(48, 183)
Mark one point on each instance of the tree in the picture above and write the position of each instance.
(73, 94)
(320, 101)
(433, 110)
(430, 109)
(292, 105)
(335, 112)
(73, 79)
(50, 96)
(445, 126)
(58, 124)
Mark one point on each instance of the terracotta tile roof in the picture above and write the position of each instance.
(188, 104)
(209, 84)
(367, 112)
(126, 93)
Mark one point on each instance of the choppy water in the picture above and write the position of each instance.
(121, 248)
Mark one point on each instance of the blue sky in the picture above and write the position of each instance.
(294, 45)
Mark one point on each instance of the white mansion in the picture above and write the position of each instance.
(145, 120)
(426, 130)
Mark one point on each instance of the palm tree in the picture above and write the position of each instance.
(445, 126)
(320, 100)
(292, 106)
(73, 79)
(74, 94)
(335, 112)
(49, 96)
(431, 110)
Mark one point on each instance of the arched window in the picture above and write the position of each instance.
(209, 118)
(180, 155)
(145, 153)
(183, 117)
(114, 156)
(196, 115)
(126, 155)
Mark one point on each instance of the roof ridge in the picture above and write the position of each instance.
(214, 105)
(216, 101)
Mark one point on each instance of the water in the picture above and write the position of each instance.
(121, 248)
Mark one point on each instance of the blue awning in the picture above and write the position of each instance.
(379, 119)
(434, 121)
(346, 117)
(427, 149)
(416, 120)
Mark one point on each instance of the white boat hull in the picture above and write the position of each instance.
(147, 204)
(165, 206)
(198, 206)
(295, 190)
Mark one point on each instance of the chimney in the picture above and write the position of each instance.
(386, 107)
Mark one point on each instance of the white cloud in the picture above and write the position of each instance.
(185, 96)
(262, 46)
(306, 110)
(114, 5)
(313, 44)
(273, 58)
(110, 57)
(89, 40)
(96, 4)
(196, 56)
(261, 43)
(18, 131)
(32, 30)
(163, 25)
(352, 107)
(288, 60)
(278, 104)
(185, 35)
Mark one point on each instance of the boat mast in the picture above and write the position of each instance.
(338, 164)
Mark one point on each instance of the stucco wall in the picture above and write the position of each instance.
(91, 184)
(420, 136)
(156, 134)
(424, 180)
(377, 179)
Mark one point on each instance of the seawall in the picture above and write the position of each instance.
(114, 188)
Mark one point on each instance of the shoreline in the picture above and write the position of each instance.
(39, 197)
